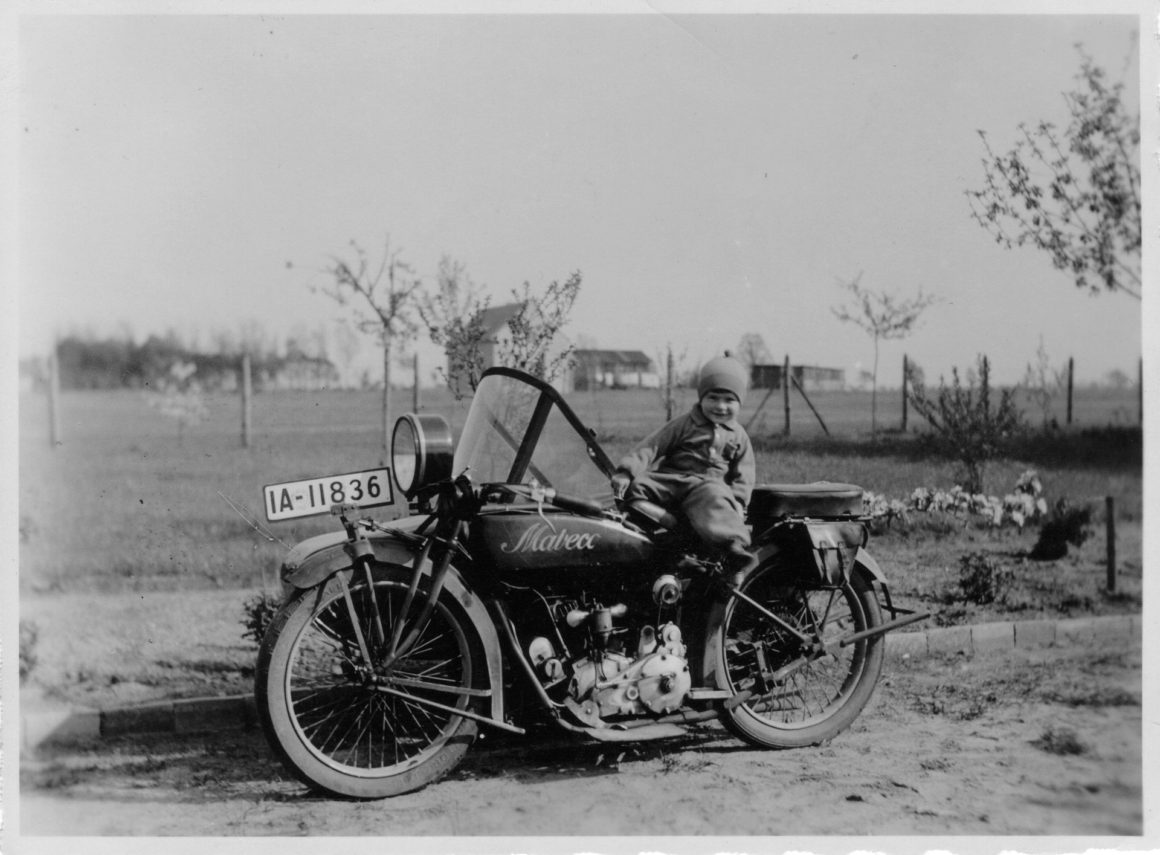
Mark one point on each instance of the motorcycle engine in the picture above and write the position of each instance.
(657, 680)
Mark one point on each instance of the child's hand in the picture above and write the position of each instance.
(620, 482)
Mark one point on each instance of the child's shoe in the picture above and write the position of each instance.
(738, 562)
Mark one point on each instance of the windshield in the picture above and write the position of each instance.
(520, 430)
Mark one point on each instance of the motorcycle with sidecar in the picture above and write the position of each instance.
(521, 593)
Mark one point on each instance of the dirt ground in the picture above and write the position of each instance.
(1037, 742)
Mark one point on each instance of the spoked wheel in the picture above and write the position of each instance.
(803, 691)
(342, 715)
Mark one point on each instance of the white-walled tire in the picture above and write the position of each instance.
(819, 698)
(329, 716)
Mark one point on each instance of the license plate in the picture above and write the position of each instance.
(293, 499)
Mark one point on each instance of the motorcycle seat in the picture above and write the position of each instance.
(819, 499)
(653, 513)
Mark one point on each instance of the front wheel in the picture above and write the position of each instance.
(360, 725)
(799, 692)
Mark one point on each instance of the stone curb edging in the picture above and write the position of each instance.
(199, 715)
(192, 715)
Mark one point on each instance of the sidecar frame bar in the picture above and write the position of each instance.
(427, 702)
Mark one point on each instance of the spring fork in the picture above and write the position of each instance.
(438, 575)
(421, 561)
(362, 552)
(358, 633)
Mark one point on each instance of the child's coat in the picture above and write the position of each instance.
(701, 469)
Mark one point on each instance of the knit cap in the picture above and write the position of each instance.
(722, 372)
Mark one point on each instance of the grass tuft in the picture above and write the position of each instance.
(29, 634)
(259, 613)
(1060, 740)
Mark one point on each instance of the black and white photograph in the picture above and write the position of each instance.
(585, 427)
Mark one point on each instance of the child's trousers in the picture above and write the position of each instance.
(708, 506)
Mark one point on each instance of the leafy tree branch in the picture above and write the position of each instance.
(453, 316)
(535, 326)
(1073, 193)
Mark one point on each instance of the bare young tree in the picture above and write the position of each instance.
(178, 395)
(967, 424)
(453, 316)
(1043, 381)
(1073, 193)
(383, 297)
(883, 317)
(534, 328)
(752, 350)
(346, 347)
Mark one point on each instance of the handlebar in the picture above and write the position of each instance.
(564, 501)
(576, 503)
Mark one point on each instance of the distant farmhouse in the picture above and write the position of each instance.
(809, 377)
(591, 369)
(301, 372)
(296, 372)
(612, 369)
(494, 320)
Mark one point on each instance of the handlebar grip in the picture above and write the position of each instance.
(577, 504)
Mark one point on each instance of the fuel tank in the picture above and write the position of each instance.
(525, 546)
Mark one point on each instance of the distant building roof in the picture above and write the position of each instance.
(617, 357)
(494, 317)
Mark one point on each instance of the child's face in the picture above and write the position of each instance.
(720, 406)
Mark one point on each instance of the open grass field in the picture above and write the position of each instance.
(121, 504)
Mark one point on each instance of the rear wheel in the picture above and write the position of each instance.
(352, 727)
(802, 691)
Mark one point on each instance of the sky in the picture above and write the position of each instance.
(709, 175)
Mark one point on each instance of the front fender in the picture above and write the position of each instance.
(316, 559)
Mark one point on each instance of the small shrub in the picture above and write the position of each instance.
(259, 612)
(29, 633)
(1065, 524)
(966, 424)
(983, 580)
(1060, 740)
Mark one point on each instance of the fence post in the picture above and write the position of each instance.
(785, 393)
(1110, 531)
(54, 437)
(247, 389)
(905, 380)
(415, 395)
(669, 370)
(1070, 383)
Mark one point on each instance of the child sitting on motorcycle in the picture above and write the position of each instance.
(701, 464)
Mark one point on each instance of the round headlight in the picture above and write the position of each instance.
(421, 451)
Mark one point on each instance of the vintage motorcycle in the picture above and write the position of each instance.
(521, 592)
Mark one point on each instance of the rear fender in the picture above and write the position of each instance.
(316, 559)
(866, 561)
